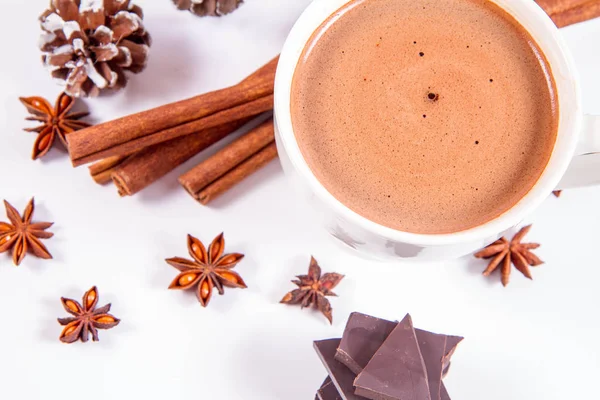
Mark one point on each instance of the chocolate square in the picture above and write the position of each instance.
(451, 344)
(433, 347)
(397, 370)
(444, 393)
(364, 335)
(328, 391)
(340, 375)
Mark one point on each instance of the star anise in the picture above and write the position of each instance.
(86, 318)
(313, 289)
(209, 269)
(56, 121)
(514, 251)
(22, 235)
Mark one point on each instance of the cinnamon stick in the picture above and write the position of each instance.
(102, 170)
(207, 172)
(126, 135)
(237, 174)
(568, 12)
(152, 163)
(237, 113)
(577, 14)
(557, 6)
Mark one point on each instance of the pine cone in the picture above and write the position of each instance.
(214, 8)
(90, 44)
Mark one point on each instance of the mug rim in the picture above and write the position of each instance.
(539, 25)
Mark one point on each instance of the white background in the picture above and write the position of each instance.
(532, 340)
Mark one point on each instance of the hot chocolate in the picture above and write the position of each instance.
(426, 116)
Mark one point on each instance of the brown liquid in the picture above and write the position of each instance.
(426, 116)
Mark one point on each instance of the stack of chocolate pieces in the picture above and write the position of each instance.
(383, 360)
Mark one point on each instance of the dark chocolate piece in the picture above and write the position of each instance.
(342, 377)
(451, 343)
(363, 336)
(326, 382)
(433, 348)
(328, 391)
(397, 370)
(444, 393)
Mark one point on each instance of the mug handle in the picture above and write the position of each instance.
(584, 170)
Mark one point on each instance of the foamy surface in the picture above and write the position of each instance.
(427, 116)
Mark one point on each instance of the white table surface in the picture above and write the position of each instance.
(532, 340)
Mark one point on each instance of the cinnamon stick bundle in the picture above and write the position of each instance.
(231, 165)
(152, 163)
(568, 12)
(124, 136)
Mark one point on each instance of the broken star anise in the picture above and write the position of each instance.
(22, 235)
(313, 288)
(86, 318)
(55, 121)
(209, 269)
(514, 251)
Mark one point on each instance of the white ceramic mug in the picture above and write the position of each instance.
(575, 160)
